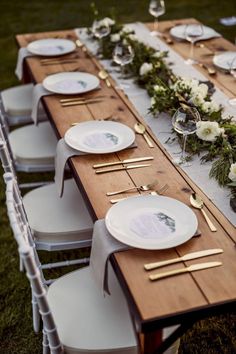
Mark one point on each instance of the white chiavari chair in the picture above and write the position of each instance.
(16, 105)
(77, 318)
(32, 147)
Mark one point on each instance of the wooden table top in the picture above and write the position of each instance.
(168, 301)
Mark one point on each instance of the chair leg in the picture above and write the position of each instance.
(46, 349)
(35, 315)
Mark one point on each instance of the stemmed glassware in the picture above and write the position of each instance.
(192, 33)
(156, 9)
(184, 122)
(232, 70)
(100, 30)
(123, 54)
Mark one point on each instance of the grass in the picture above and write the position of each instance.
(212, 336)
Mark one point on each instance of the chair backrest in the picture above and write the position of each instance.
(28, 254)
(6, 153)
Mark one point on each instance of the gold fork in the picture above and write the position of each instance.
(143, 188)
(159, 192)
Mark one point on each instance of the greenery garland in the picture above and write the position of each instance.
(215, 136)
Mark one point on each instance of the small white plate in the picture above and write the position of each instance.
(179, 33)
(70, 83)
(224, 60)
(97, 137)
(51, 47)
(151, 222)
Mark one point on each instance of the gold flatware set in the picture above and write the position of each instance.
(187, 257)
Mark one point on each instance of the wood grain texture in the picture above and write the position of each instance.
(175, 295)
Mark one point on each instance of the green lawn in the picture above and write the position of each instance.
(216, 335)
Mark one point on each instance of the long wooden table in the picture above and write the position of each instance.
(177, 300)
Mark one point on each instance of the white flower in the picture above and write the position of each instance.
(158, 88)
(133, 37)
(197, 100)
(210, 107)
(145, 68)
(107, 21)
(115, 37)
(232, 173)
(208, 131)
(153, 101)
(201, 89)
(157, 55)
(126, 30)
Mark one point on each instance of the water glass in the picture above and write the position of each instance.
(192, 33)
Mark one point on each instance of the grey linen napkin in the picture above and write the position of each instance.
(38, 92)
(63, 153)
(22, 54)
(103, 245)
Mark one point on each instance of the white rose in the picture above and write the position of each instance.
(157, 55)
(153, 101)
(197, 100)
(208, 131)
(232, 173)
(145, 68)
(115, 37)
(107, 21)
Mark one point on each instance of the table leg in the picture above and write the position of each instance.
(150, 341)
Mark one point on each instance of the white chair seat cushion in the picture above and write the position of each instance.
(17, 100)
(55, 219)
(34, 144)
(87, 321)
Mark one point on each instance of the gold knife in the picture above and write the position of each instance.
(79, 102)
(65, 100)
(136, 159)
(186, 257)
(129, 167)
(58, 62)
(192, 268)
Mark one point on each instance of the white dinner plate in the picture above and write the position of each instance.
(224, 60)
(51, 47)
(178, 32)
(98, 137)
(70, 83)
(151, 222)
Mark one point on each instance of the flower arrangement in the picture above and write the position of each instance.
(215, 136)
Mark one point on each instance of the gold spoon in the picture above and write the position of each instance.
(210, 71)
(104, 76)
(146, 187)
(80, 45)
(197, 202)
(140, 129)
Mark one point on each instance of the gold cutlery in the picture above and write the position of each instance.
(140, 129)
(104, 76)
(58, 62)
(210, 71)
(81, 45)
(79, 102)
(123, 168)
(197, 203)
(64, 100)
(136, 159)
(143, 188)
(186, 257)
(160, 192)
(114, 119)
(192, 268)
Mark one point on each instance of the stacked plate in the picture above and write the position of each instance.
(225, 60)
(51, 47)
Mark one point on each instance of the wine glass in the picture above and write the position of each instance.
(123, 54)
(100, 29)
(156, 9)
(184, 122)
(232, 70)
(192, 33)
